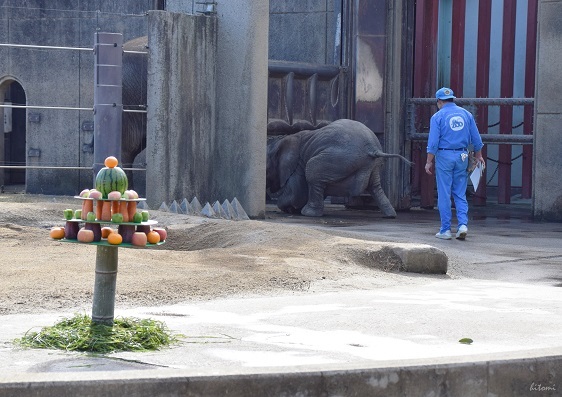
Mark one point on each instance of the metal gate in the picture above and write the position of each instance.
(481, 49)
(304, 96)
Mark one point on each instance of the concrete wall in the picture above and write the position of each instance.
(547, 189)
(60, 78)
(207, 106)
(305, 31)
(181, 128)
(242, 59)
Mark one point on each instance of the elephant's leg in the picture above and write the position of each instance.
(133, 141)
(315, 204)
(320, 171)
(375, 189)
(127, 159)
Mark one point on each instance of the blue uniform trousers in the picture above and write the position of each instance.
(451, 175)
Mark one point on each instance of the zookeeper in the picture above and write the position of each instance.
(452, 129)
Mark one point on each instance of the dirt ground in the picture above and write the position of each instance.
(201, 259)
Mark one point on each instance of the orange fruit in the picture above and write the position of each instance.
(111, 162)
(57, 233)
(106, 231)
(114, 238)
(153, 237)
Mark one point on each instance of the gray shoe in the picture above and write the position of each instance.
(462, 232)
(446, 235)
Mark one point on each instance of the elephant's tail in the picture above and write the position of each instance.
(379, 153)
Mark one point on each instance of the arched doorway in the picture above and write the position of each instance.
(14, 136)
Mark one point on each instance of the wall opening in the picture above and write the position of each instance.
(14, 135)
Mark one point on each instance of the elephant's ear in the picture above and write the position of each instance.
(289, 154)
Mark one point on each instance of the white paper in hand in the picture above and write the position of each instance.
(475, 176)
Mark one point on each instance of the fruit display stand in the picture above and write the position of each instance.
(108, 203)
(103, 306)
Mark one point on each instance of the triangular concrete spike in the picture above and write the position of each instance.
(141, 205)
(186, 207)
(228, 210)
(219, 210)
(208, 211)
(240, 213)
(163, 207)
(174, 207)
(196, 205)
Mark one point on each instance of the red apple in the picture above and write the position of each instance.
(139, 239)
(85, 235)
(95, 194)
(114, 195)
(162, 232)
(95, 228)
(130, 195)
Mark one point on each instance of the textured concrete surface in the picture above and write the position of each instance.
(547, 191)
(242, 76)
(395, 341)
(181, 119)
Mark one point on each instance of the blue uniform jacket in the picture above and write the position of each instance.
(453, 127)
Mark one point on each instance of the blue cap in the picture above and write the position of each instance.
(444, 93)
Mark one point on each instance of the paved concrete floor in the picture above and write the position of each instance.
(502, 291)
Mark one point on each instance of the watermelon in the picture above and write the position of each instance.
(111, 179)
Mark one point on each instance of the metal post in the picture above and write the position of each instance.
(108, 102)
(528, 125)
(104, 286)
(506, 91)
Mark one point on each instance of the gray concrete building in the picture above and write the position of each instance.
(61, 76)
(278, 67)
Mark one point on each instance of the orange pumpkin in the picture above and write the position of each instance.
(111, 162)
(153, 237)
(114, 239)
(57, 233)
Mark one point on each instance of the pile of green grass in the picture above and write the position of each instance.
(79, 333)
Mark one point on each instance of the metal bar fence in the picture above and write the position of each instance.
(43, 47)
(69, 108)
(42, 167)
(50, 47)
(504, 137)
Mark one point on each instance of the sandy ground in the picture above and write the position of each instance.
(202, 259)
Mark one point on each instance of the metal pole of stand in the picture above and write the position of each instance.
(108, 111)
(108, 98)
(104, 286)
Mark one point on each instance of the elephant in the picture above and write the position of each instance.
(133, 133)
(342, 159)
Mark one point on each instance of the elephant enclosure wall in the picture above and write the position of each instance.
(181, 107)
(207, 106)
